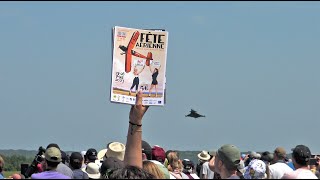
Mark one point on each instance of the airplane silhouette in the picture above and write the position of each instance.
(194, 114)
(129, 52)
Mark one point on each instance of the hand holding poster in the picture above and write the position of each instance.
(139, 63)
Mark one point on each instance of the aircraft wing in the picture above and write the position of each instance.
(131, 45)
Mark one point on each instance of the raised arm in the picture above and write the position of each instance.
(133, 154)
(150, 68)
(142, 69)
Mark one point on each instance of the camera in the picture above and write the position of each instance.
(29, 170)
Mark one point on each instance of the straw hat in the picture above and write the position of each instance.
(204, 155)
(92, 170)
(117, 150)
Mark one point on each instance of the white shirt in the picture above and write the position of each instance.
(207, 171)
(278, 169)
(300, 174)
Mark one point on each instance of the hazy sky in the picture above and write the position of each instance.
(251, 67)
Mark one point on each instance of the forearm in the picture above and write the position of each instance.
(133, 154)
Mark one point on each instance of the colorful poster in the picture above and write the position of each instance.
(139, 63)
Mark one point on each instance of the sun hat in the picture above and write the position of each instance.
(117, 150)
(92, 169)
(204, 155)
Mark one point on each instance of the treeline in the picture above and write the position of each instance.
(13, 162)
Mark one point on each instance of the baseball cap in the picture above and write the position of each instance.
(53, 154)
(147, 149)
(92, 154)
(229, 154)
(280, 152)
(158, 153)
(301, 152)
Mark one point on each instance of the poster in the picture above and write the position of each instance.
(139, 63)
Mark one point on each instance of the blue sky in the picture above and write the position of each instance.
(251, 67)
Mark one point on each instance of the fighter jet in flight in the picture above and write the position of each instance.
(194, 114)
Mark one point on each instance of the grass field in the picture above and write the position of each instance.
(9, 173)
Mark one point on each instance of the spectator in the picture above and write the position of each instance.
(175, 166)
(206, 172)
(91, 156)
(203, 157)
(300, 157)
(131, 172)
(92, 169)
(161, 166)
(76, 162)
(62, 168)
(17, 176)
(279, 167)
(52, 160)
(153, 169)
(109, 165)
(256, 170)
(188, 169)
(133, 157)
(1, 167)
(146, 150)
(158, 154)
(241, 170)
(226, 162)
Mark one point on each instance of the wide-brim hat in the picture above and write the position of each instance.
(92, 169)
(102, 154)
(204, 155)
(117, 150)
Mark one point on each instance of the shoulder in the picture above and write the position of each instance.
(304, 173)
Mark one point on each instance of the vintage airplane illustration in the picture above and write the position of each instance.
(128, 51)
(194, 114)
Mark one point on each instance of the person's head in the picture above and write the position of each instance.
(227, 160)
(255, 170)
(279, 154)
(76, 160)
(146, 149)
(52, 157)
(174, 162)
(267, 157)
(92, 169)
(188, 165)
(156, 70)
(1, 164)
(53, 145)
(204, 156)
(212, 153)
(301, 155)
(91, 155)
(109, 165)
(131, 172)
(158, 154)
(64, 157)
(153, 169)
(17, 176)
